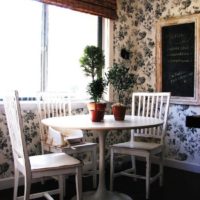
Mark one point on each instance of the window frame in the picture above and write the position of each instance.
(44, 45)
(104, 40)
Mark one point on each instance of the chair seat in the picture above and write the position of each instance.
(60, 137)
(83, 144)
(74, 148)
(75, 145)
(138, 145)
(70, 134)
(52, 161)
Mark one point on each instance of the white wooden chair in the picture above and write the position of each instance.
(38, 166)
(144, 142)
(51, 104)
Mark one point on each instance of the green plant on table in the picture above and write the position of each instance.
(96, 89)
(121, 79)
(92, 63)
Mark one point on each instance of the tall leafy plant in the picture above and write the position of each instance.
(92, 62)
(121, 79)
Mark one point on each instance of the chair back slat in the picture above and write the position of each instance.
(148, 104)
(15, 127)
(54, 104)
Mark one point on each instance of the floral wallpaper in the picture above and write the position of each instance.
(135, 31)
(32, 135)
(31, 130)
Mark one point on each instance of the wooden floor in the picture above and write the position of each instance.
(178, 184)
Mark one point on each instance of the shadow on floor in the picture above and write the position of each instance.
(178, 184)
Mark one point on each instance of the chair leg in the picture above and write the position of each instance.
(16, 183)
(27, 187)
(161, 169)
(111, 169)
(94, 167)
(148, 174)
(64, 184)
(133, 162)
(78, 178)
(133, 166)
(61, 186)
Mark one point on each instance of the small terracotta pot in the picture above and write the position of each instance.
(97, 111)
(119, 112)
(97, 115)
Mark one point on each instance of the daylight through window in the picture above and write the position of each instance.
(21, 38)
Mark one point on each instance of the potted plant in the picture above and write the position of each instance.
(92, 63)
(119, 77)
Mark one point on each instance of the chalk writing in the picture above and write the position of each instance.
(178, 59)
(180, 76)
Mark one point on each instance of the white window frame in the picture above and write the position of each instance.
(107, 43)
(107, 46)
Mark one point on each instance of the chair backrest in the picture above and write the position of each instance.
(15, 128)
(147, 104)
(52, 104)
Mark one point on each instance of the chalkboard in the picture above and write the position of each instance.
(177, 59)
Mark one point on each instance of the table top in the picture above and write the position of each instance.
(84, 122)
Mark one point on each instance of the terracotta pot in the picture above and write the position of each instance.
(119, 112)
(97, 111)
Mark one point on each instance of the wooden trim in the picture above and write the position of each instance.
(103, 8)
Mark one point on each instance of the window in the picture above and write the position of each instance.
(20, 39)
(30, 66)
(67, 41)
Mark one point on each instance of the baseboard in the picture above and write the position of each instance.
(7, 183)
(182, 165)
(191, 167)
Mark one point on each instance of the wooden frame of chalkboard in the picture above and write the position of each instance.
(177, 58)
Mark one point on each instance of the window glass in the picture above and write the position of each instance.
(21, 36)
(69, 33)
(20, 39)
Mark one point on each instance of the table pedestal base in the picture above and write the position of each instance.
(107, 195)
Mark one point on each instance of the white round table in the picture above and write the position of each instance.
(84, 122)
